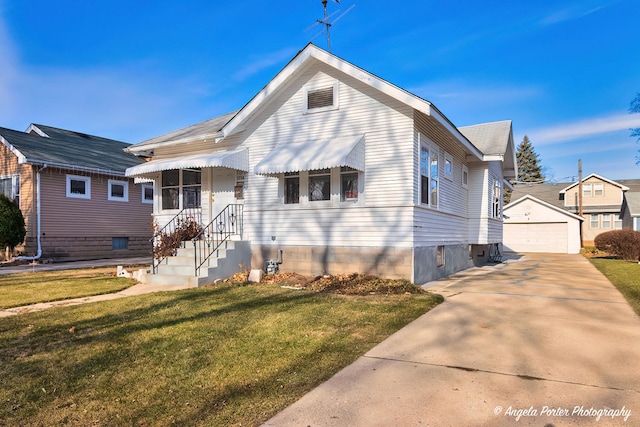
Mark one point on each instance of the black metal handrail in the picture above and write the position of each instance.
(163, 245)
(228, 223)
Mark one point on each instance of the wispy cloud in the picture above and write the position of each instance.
(470, 93)
(584, 128)
(574, 11)
(256, 65)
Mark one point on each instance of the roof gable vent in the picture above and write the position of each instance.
(320, 98)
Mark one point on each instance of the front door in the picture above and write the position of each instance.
(223, 183)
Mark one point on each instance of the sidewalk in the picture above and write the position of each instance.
(137, 289)
(546, 340)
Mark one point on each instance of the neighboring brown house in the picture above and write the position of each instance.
(602, 202)
(74, 196)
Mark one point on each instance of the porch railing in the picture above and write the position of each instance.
(166, 241)
(228, 223)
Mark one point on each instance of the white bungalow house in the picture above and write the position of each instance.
(338, 169)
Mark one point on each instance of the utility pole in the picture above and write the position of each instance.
(580, 201)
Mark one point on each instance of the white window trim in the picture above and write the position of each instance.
(87, 187)
(15, 184)
(465, 172)
(318, 86)
(585, 192)
(143, 187)
(448, 159)
(606, 218)
(597, 222)
(125, 197)
(598, 186)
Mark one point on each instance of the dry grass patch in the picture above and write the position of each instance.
(221, 355)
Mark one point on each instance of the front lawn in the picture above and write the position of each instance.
(214, 356)
(624, 275)
(30, 288)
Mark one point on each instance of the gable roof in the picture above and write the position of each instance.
(235, 122)
(549, 193)
(495, 141)
(632, 200)
(594, 175)
(543, 203)
(47, 145)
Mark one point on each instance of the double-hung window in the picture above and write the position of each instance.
(181, 189)
(429, 174)
(606, 221)
(598, 189)
(496, 212)
(594, 222)
(10, 187)
(586, 190)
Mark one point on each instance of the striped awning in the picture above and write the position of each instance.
(314, 154)
(237, 159)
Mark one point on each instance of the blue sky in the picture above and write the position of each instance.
(564, 71)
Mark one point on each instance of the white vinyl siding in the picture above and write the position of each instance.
(374, 217)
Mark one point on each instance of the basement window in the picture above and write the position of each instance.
(119, 243)
(440, 256)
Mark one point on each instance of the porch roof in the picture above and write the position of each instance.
(314, 154)
(236, 159)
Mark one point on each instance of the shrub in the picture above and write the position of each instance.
(168, 243)
(621, 243)
(12, 226)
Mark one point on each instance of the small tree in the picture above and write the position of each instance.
(634, 107)
(12, 227)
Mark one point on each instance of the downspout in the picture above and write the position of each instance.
(39, 253)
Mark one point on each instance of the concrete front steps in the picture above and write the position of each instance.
(231, 258)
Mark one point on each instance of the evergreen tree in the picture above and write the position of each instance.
(529, 169)
(12, 226)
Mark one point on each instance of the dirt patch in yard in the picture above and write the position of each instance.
(343, 284)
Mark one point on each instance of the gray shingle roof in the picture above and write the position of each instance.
(489, 138)
(633, 202)
(71, 150)
(207, 127)
(549, 193)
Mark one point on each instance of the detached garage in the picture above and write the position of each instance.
(531, 225)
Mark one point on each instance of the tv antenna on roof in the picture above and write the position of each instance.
(328, 24)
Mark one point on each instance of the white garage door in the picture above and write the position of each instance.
(536, 237)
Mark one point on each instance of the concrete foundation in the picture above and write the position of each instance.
(419, 265)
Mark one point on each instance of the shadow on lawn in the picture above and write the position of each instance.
(82, 346)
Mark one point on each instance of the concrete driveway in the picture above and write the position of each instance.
(544, 341)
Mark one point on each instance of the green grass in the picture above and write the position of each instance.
(213, 356)
(624, 275)
(30, 288)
